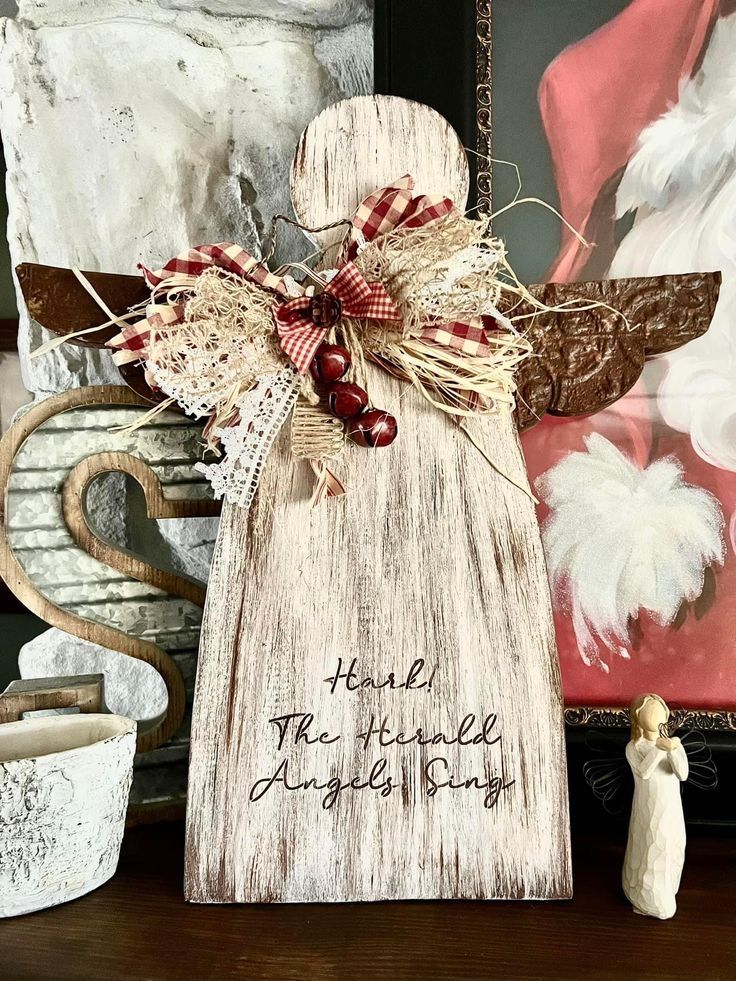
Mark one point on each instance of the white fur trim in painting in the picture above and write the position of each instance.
(681, 183)
(694, 142)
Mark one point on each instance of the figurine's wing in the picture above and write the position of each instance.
(584, 360)
(703, 771)
(609, 777)
(57, 301)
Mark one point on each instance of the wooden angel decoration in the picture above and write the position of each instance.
(378, 712)
(655, 852)
(366, 633)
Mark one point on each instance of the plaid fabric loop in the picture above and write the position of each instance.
(396, 207)
(466, 336)
(392, 207)
(186, 267)
(179, 274)
(300, 337)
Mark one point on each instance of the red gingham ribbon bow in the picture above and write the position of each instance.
(300, 336)
(391, 207)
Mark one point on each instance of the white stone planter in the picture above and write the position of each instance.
(64, 785)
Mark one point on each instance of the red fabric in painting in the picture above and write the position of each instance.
(598, 96)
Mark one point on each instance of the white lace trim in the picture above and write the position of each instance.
(210, 371)
(263, 411)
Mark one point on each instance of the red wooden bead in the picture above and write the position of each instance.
(374, 428)
(330, 362)
(346, 400)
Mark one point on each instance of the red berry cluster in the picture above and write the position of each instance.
(368, 426)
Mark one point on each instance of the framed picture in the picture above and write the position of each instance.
(610, 119)
(612, 116)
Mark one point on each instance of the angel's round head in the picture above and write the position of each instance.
(648, 714)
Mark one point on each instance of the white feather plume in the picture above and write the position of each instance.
(693, 140)
(620, 539)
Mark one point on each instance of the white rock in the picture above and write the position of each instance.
(316, 13)
(106, 505)
(64, 786)
(133, 688)
(191, 542)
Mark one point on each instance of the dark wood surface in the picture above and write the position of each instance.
(8, 334)
(138, 926)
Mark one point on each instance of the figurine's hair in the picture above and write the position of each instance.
(636, 706)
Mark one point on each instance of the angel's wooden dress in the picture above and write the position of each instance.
(431, 555)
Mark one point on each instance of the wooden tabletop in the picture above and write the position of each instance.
(138, 926)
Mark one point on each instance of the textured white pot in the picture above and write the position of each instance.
(64, 785)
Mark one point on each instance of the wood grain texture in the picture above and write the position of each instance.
(138, 926)
(431, 555)
(355, 146)
(85, 692)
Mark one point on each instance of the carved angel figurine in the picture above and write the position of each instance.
(655, 852)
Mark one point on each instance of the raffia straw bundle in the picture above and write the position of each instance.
(444, 272)
(461, 385)
(409, 261)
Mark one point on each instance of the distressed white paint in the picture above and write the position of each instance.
(350, 150)
(431, 555)
(64, 785)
